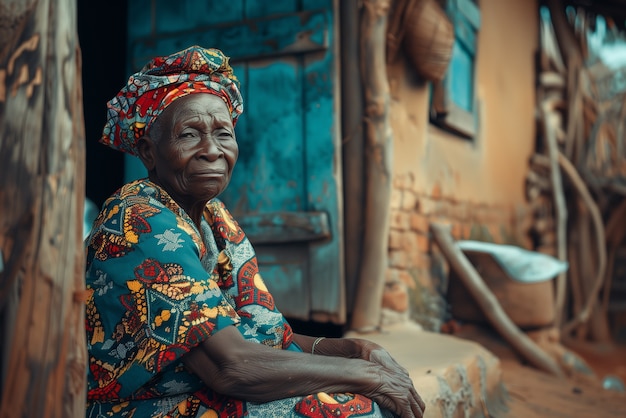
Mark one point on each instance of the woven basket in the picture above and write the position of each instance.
(428, 38)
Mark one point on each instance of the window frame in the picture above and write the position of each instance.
(444, 112)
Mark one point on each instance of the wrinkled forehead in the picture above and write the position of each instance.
(210, 107)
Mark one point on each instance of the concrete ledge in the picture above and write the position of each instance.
(454, 377)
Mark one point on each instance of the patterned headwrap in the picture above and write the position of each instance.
(161, 81)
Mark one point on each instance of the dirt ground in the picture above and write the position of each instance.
(533, 393)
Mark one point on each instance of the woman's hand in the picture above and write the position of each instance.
(398, 376)
(396, 391)
(371, 351)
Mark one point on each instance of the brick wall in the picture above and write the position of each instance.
(416, 279)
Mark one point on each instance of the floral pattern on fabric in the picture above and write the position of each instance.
(158, 287)
(323, 405)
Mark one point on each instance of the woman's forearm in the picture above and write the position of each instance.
(235, 367)
(337, 347)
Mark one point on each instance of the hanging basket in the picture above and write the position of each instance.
(427, 36)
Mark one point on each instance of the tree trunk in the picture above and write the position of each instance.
(41, 205)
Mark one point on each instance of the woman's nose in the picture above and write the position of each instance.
(211, 148)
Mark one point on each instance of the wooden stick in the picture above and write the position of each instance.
(615, 232)
(608, 281)
(596, 217)
(584, 248)
(489, 305)
(560, 206)
(574, 275)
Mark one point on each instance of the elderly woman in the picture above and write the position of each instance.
(179, 321)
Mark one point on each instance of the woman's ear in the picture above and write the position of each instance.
(146, 150)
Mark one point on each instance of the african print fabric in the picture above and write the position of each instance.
(157, 288)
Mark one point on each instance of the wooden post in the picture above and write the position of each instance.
(352, 148)
(378, 149)
(42, 184)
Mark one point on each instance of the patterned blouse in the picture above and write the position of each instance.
(158, 287)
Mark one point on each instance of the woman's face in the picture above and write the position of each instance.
(196, 149)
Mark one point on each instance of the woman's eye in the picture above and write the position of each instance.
(225, 135)
(187, 134)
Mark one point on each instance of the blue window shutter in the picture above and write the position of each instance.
(455, 111)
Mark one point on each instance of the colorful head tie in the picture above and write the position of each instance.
(160, 82)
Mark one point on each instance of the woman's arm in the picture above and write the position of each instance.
(232, 366)
(349, 348)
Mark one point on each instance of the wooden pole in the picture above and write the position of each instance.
(41, 204)
(547, 109)
(592, 298)
(378, 149)
(352, 149)
(489, 304)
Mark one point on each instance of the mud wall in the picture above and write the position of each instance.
(474, 185)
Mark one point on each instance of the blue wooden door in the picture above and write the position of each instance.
(286, 186)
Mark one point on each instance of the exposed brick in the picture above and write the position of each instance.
(441, 221)
(396, 297)
(419, 222)
(408, 242)
(444, 209)
(480, 213)
(460, 211)
(404, 181)
(496, 232)
(396, 199)
(423, 243)
(396, 240)
(457, 231)
(406, 278)
(400, 220)
(427, 206)
(466, 230)
(492, 214)
(398, 181)
(398, 259)
(409, 200)
(392, 275)
(424, 279)
(421, 260)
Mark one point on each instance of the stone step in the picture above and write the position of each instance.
(454, 377)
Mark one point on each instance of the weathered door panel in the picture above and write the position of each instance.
(286, 187)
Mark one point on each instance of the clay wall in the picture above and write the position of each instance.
(476, 186)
